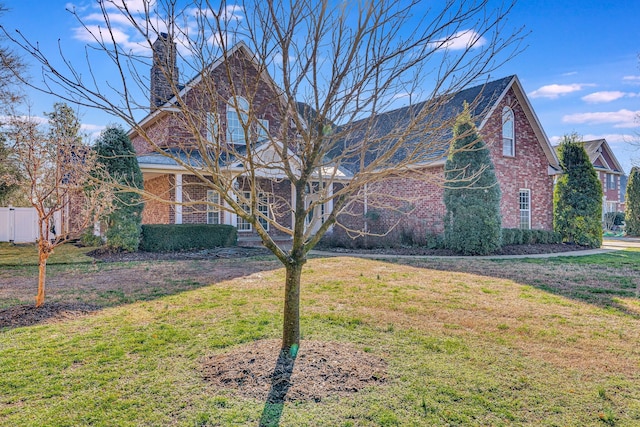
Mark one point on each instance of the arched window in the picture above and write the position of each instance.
(508, 133)
(236, 118)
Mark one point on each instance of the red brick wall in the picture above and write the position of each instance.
(414, 201)
(156, 212)
(527, 170)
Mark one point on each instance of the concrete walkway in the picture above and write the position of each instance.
(609, 244)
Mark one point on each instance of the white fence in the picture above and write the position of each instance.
(20, 225)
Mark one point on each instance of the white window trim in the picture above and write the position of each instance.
(212, 195)
(238, 102)
(520, 210)
(510, 117)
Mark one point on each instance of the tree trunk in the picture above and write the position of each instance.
(42, 275)
(291, 327)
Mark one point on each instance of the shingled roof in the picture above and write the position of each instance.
(595, 150)
(481, 99)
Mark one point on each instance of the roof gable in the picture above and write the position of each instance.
(600, 155)
(170, 106)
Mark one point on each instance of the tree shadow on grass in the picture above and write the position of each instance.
(77, 290)
(588, 283)
(280, 384)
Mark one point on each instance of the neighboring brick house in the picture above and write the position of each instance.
(523, 158)
(610, 173)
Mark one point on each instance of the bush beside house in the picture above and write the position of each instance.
(577, 208)
(472, 194)
(182, 237)
(116, 152)
(632, 214)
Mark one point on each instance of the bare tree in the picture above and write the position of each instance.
(56, 166)
(346, 62)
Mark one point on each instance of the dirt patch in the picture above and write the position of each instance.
(321, 369)
(28, 315)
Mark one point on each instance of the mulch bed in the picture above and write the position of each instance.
(505, 250)
(242, 252)
(321, 369)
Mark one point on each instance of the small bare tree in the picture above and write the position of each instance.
(346, 62)
(56, 166)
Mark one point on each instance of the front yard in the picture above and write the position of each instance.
(463, 342)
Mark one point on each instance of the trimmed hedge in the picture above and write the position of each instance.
(182, 237)
(517, 236)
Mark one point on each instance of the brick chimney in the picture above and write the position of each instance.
(164, 72)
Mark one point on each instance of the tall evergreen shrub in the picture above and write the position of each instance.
(632, 212)
(116, 152)
(577, 198)
(472, 195)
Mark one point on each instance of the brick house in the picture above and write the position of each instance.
(523, 158)
(610, 173)
(524, 162)
(171, 157)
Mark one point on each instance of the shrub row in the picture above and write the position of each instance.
(182, 237)
(510, 236)
(517, 236)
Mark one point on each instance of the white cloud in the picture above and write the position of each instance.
(467, 39)
(604, 96)
(90, 33)
(570, 73)
(620, 119)
(555, 90)
(91, 130)
(36, 119)
(631, 78)
(141, 12)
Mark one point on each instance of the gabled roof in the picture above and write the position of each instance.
(169, 105)
(598, 150)
(483, 100)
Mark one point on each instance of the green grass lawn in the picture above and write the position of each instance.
(27, 254)
(468, 343)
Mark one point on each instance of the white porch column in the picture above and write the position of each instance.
(329, 204)
(233, 217)
(293, 206)
(178, 219)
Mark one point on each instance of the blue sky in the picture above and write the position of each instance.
(580, 67)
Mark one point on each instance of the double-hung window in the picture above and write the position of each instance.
(525, 209)
(213, 207)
